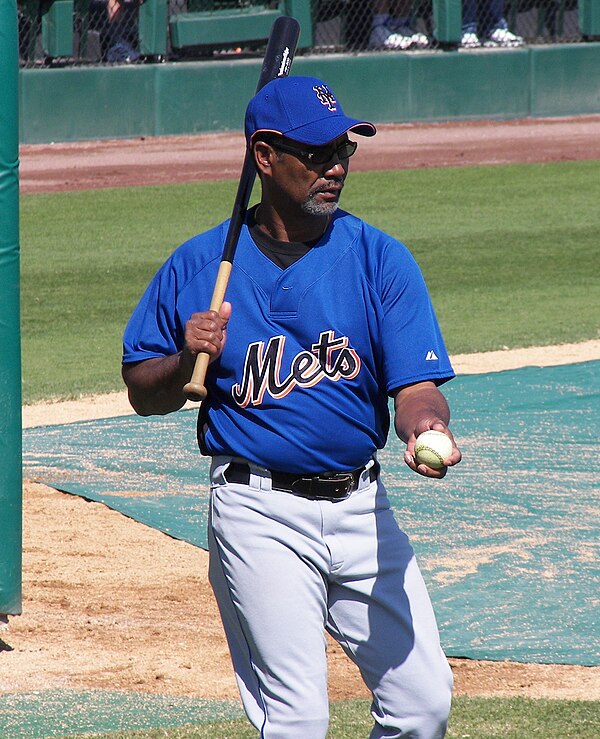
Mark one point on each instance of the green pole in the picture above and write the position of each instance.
(10, 343)
(589, 17)
(447, 21)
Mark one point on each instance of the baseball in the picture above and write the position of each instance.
(432, 448)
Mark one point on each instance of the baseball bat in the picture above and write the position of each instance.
(277, 61)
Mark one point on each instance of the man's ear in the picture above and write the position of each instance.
(263, 156)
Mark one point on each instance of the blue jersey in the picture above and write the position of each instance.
(312, 352)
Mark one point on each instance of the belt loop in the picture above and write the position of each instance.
(218, 467)
(260, 479)
(372, 470)
(365, 475)
(266, 483)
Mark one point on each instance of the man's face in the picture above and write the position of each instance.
(311, 178)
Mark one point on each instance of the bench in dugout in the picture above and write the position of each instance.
(203, 24)
(222, 25)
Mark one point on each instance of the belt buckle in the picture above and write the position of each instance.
(336, 486)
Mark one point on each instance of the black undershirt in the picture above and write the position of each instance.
(281, 253)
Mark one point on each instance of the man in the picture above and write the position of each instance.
(326, 318)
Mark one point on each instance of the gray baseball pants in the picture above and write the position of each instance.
(284, 569)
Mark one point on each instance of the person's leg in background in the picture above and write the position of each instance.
(121, 32)
(391, 27)
(470, 36)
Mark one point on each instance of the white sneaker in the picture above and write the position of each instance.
(420, 40)
(417, 40)
(383, 38)
(470, 40)
(503, 37)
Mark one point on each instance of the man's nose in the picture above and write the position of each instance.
(337, 167)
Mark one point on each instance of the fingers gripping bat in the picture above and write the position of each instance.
(277, 61)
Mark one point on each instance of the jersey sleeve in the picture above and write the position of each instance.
(412, 343)
(153, 329)
(181, 287)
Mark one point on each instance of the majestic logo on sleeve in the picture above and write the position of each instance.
(329, 358)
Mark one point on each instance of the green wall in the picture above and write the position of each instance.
(194, 97)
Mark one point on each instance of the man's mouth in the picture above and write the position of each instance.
(330, 191)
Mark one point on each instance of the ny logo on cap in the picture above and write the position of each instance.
(326, 97)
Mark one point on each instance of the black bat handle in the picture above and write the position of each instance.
(279, 54)
(280, 50)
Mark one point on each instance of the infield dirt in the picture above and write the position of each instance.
(111, 603)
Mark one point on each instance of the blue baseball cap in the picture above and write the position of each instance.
(303, 109)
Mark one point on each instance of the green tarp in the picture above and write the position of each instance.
(508, 541)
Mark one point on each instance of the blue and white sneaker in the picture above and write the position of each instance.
(502, 37)
(470, 40)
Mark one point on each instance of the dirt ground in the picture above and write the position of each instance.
(111, 603)
(159, 160)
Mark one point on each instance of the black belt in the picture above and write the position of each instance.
(328, 486)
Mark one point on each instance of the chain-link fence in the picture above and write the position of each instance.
(408, 24)
(76, 32)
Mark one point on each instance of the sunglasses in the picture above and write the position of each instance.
(319, 154)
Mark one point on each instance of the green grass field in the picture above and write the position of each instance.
(510, 255)
(471, 718)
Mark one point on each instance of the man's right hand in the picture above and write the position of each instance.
(206, 332)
